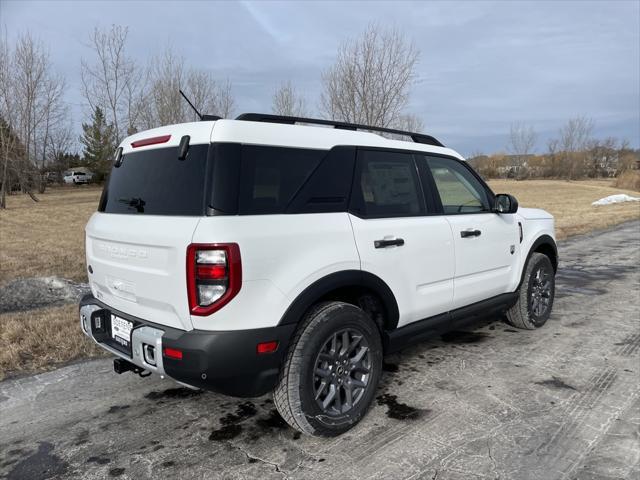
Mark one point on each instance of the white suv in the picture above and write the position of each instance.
(255, 255)
(76, 177)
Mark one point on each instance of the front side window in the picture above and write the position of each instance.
(459, 190)
(387, 185)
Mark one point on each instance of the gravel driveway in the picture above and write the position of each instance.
(560, 402)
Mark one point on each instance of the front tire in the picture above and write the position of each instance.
(536, 295)
(332, 370)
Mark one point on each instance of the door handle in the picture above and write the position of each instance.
(388, 242)
(470, 233)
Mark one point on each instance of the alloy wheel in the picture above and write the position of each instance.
(342, 371)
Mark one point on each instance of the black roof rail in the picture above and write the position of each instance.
(269, 118)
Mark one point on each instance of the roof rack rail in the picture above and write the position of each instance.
(269, 118)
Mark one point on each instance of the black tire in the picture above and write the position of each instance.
(301, 391)
(536, 294)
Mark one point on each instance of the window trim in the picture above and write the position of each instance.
(358, 210)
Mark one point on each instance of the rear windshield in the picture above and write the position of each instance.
(155, 182)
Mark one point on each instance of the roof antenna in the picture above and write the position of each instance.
(191, 105)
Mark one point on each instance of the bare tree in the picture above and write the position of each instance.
(370, 80)
(32, 108)
(226, 101)
(112, 82)
(522, 141)
(576, 134)
(573, 143)
(287, 101)
(163, 103)
(409, 123)
(8, 114)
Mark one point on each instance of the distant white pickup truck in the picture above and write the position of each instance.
(77, 177)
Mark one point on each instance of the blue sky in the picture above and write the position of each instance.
(483, 65)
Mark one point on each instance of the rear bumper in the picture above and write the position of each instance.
(221, 361)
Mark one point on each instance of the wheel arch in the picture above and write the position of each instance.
(546, 245)
(348, 286)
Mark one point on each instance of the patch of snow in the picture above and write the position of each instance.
(619, 198)
(36, 292)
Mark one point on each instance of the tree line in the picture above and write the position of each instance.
(368, 83)
(573, 154)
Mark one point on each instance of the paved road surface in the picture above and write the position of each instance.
(561, 402)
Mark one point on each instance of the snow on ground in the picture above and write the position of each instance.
(621, 197)
(37, 292)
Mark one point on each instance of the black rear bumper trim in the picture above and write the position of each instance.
(226, 362)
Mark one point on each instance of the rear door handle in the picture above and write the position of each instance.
(470, 233)
(388, 242)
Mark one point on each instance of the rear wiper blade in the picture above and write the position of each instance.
(134, 202)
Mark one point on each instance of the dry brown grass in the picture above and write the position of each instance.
(41, 340)
(570, 203)
(629, 180)
(46, 238)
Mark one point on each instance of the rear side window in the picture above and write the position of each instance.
(386, 185)
(270, 177)
(261, 179)
(155, 182)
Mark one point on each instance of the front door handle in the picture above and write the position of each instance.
(470, 233)
(388, 242)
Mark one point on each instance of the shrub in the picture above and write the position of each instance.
(629, 180)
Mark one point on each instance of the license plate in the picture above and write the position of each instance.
(121, 331)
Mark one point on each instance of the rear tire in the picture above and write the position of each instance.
(536, 294)
(331, 371)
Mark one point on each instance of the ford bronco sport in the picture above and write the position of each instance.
(257, 254)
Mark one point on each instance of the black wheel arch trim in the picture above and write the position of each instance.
(343, 279)
(541, 240)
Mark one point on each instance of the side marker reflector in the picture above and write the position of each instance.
(173, 353)
(267, 347)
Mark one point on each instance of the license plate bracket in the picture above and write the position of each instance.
(121, 332)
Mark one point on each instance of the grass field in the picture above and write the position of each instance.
(570, 203)
(47, 239)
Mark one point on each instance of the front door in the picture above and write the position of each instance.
(486, 243)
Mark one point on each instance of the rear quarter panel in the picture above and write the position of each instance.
(281, 256)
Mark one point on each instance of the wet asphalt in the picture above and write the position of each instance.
(562, 402)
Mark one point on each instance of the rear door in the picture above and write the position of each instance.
(397, 237)
(136, 243)
(486, 243)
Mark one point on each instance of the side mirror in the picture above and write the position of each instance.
(505, 203)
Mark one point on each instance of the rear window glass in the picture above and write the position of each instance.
(155, 182)
(387, 185)
(270, 177)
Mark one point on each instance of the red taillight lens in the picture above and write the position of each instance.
(211, 272)
(173, 353)
(267, 347)
(214, 276)
(151, 141)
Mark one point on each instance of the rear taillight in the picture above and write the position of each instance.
(214, 276)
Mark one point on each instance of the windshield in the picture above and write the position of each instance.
(155, 182)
